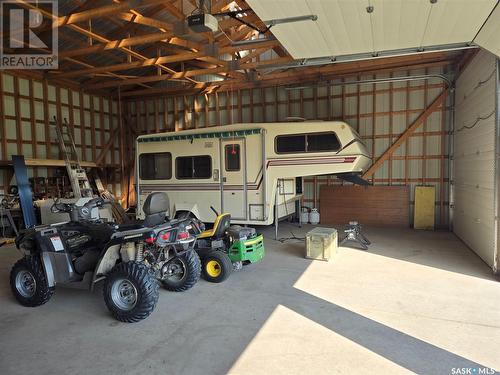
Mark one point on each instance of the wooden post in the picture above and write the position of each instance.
(165, 114)
(82, 128)
(157, 125)
(92, 128)
(176, 115)
(407, 163)
(264, 104)
(207, 110)
(217, 109)
(391, 116)
(185, 111)
(442, 169)
(251, 104)
(240, 111)
(146, 116)
(358, 105)
(315, 102)
(424, 136)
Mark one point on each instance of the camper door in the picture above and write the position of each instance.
(233, 172)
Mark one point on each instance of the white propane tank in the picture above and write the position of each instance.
(304, 215)
(314, 216)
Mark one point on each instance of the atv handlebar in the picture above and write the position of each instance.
(78, 212)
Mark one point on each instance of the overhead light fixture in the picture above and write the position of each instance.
(270, 23)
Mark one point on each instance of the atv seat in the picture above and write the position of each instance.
(219, 229)
(155, 208)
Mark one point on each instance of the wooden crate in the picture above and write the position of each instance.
(369, 205)
(321, 243)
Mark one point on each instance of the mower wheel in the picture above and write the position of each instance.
(182, 273)
(130, 292)
(216, 266)
(29, 282)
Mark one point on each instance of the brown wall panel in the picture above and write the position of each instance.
(370, 205)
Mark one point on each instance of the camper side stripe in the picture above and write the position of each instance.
(148, 188)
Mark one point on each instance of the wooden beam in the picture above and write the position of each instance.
(97, 37)
(407, 133)
(101, 11)
(147, 21)
(161, 60)
(114, 44)
(173, 10)
(307, 76)
(107, 146)
(187, 73)
(31, 162)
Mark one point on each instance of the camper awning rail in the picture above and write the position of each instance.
(226, 134)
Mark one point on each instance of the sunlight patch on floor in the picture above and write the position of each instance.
(289, 343)
(425, 302)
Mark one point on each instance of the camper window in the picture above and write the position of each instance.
(312, 142)
(232, 153)
(156, 166)
(188, 167)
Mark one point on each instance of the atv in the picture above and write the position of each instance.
(84, 251)
(226, 247)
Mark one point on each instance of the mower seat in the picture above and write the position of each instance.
(155, 208)
(219, 229)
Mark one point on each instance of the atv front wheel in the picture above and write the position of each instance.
(29, 282)
(130, 292)
(216, 266)
(181, 273)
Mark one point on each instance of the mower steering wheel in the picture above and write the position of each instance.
(214, 210)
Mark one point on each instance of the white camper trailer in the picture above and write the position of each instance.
(248, 170)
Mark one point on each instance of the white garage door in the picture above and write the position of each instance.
(474, 157)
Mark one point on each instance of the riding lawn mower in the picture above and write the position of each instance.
(226, 247)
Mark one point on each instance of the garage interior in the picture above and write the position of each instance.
(418, 80)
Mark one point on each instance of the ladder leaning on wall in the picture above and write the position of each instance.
(77, 175)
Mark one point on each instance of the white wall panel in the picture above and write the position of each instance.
(344, 27)
(474, 157)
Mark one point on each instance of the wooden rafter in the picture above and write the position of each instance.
(187, 73)
(406, 134)
(101, 12)
(115, 44)
(96, 36)
(163, 60)
(298, 76)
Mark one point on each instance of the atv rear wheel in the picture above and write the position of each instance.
(29, 282)
(181, 273)
(216, 266)
(130, 292)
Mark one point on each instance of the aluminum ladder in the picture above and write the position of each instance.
(77, 175)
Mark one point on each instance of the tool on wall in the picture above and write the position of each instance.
(353, 234)
(77, 175)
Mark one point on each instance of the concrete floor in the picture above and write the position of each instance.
(415, 302)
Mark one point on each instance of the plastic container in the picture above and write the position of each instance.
(314, 216)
